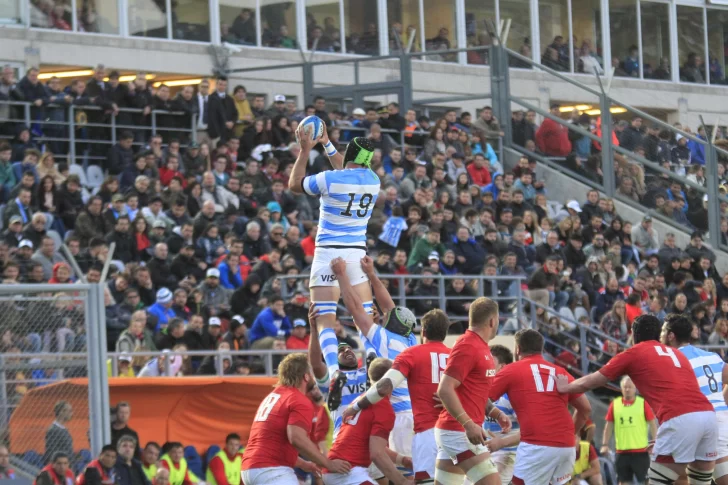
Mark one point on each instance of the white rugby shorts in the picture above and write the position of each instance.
(544, 465)
(356, 476)
(321, 273)
(424, 454)
(689, 437)
(277, 475)
(452, 444)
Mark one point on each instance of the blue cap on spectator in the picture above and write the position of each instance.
(299, 322)
(274, 206)
(164, 295)
(434, 255)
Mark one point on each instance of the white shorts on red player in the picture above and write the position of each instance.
(454, 446)
(541, 465)
(356, 476)
(689, 437)
(400, 439)
(424, 454)
(722, 418)
(277, 475)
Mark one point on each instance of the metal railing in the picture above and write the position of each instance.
(509, 294)
(609, 185)
(62, 127)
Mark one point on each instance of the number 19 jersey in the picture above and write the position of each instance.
(708, 368)
(663, 376)
(347, 200)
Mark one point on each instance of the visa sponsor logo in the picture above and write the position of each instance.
(328, 278)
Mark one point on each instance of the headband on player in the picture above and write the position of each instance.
(360, 151)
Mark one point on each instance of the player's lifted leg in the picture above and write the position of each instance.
(348, 195)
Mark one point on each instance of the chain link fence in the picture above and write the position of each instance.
(51, 398)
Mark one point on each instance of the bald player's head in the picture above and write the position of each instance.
(161, 477)
(629, 391)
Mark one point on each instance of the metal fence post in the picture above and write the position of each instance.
(268, 364)
(103, 382)
(711, 164)
(584, 354)
(441, 294)
(26, 114)
(194, 127)
(113, 129)
(94, 369)
(608, 181)
(218, 359)
(71, 135)
(4, 403)
(402, 294)
(154, 123)
(519, 306)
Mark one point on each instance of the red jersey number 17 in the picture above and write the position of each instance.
(267, 406)
(439, 362)
(538, 379)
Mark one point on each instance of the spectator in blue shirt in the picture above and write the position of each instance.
(697, 150)
(270, 324)
(631, 63)
(230, 276)
(162, 309)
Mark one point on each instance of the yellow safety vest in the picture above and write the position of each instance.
(630, 425)
(177, 476)
(582, 463)
(233, 469)
(150, 471)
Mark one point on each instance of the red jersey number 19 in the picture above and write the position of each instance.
(538, 379)
(439, 362)
(267, 406)
(668, 353)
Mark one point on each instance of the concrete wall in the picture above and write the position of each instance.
(680, 102)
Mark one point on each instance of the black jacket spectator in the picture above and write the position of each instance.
(125, 246)
(605, 301)
(473, 253)
(222, 110)
(119, 159)
(58, 439)
(162, 275)
(132, 474)
(543, 251)
(631, 138)
(254, 249)
(183, 266)
(427, 298)
(89, 226)
(575, 258)
(541, 279)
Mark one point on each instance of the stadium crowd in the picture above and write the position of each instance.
(202, 228)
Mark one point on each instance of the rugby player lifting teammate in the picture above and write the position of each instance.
(281, 429)
(711, 373)
(687, 439)
(348, 195)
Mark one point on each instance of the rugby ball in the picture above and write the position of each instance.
(312, 126)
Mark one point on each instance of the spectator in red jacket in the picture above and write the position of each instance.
(478, 170)
(552, 138)
(299, 338)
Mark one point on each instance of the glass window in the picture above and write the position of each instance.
(47, 14)
(478, 14)
(10, 13)
(403, 21)
(278, 19)
(717, 45)
(100, 16)
(691, 44)
(655, 40)
(360, 27)
(519, 37)
(586, 26)
(237, 22)
(191, 20)
(323, 23)
(148, 18)
(554, 26)
(623, 33)
(440, 30)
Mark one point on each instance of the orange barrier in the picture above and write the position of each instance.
(197, 411)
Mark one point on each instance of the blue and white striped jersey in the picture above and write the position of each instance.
(504, 404)
(347, 201)
(356, 380)
(389, 345)
(708, 368)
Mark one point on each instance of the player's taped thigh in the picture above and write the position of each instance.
(720, 470)
(659, 473)
(447, 478)
(325, 307)
(481, 470)
(699, 477)
(368, 307)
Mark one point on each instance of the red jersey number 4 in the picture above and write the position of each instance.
(668, 352)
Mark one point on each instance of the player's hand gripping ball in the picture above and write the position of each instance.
(312, 127)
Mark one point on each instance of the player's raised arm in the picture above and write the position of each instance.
(381, 294)
(351, 298)
(581, 385)
(336, 158)
(298, 173)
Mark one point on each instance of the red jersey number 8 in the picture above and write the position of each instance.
(668, 353)
(439, 362)
(266, 407)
